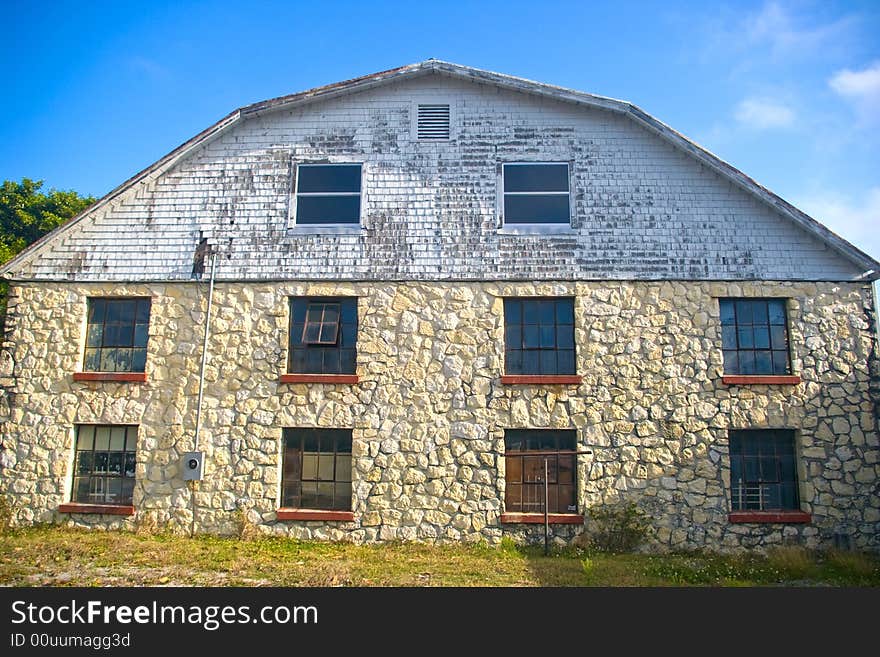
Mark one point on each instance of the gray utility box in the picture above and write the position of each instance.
(193, 463)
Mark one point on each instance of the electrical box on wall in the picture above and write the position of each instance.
(193, 463)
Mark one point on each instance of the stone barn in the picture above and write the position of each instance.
(441, 304)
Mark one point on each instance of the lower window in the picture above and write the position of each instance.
(526, 452)
(762, 471)
(105, 464)
(317, 469)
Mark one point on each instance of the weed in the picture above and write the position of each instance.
(617, 528)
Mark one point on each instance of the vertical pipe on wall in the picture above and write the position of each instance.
(207, 334)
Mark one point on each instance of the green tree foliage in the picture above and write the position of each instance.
(26, 213)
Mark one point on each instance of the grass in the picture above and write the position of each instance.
(54, 556)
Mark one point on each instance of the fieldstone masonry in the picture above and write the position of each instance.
(429, 412)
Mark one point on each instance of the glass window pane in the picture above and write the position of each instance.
(314, 361)
(743, 312)
(81, 488)
(565, 311)
(548, 362)
(142, 315)
(546, 312)
(138, 360)
(752, 471)
(334, 178)
(102, 439)
(84, 463)
(537, 209)
(513, 362)
(102, 462)
(93, 360)
(513, 497)
(342, 500)
(116, 462)
(325, 466)
(130, 464)
(325, 495)
(298, 360)
(728, 337)
(548, 336)
(125, 494)
(95, 335)
(536, 177)
(123, 360)
(512, 311)
(565, 337)
(140, 335)
(329, 332)
(565, 361)
(117, 439)
(328, 209)
(763, 362)
(312, 333)
(566, 496)
(776, 310)
(531, 336)
(348, 308)
(746, 338)
(85, 437)
(310, 494)
(298, 309)
(759, 312)
(762, 337)
(121, 311)
(343, 467)
(311, 441)
(309, 466)
(777, 337)
(513, 336)
(780, 362)
(731, 362)
(566, 469)
(96, 311)
(728, 318)
(747, 362)
(788, 496)
(347, 361)
(292, 494)
(513, 465)
(530, 314)
(530, 362)
(348, 335)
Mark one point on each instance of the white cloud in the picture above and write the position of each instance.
(855, 219)
(787, 33)
(861, 88)
(763, 114)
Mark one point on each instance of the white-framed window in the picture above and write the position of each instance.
(328, 194)
(535, 194)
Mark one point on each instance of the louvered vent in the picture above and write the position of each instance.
(433, 122)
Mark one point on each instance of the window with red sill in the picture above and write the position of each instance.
(763, 472)
(104, 464)
(754, 337)
(317, 469)
(323, 335)
(526, 451)
(117, 334)
(539, 336)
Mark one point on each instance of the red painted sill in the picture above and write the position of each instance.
(313, 514)
(787, 517)
(131, 377)
(740, 380)
(109, 509)
(513, 379)
(319, 378)
(538, 518)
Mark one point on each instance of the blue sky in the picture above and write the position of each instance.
(788, 91)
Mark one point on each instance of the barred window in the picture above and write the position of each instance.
(539, 336)
(754, 336)
(323, 335)
(116, 335)
(526, 450)
(104, 466)
(762, 471)
(317, 469)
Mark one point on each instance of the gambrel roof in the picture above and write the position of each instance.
(869, 267)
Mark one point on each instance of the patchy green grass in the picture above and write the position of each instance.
(54, 556)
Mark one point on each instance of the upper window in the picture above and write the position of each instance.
(536, 193)
(116, 336)
(539, 336)
(529, 453)
(105, 464)
(323, 335)
(754, 336)
(328, 194)
(317, 469)
(762, 471)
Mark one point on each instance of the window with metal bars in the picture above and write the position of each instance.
(763, 470)
(433, 122)
(116, 334)
(536, 193)
(754, 336)
(328, 194)
(539, 335)
(323, 335)
(526, 451)
(104, 465)
(317, 469)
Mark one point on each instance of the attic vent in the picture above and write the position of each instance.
(433, 122)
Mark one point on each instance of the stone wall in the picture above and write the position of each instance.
(429, 413)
